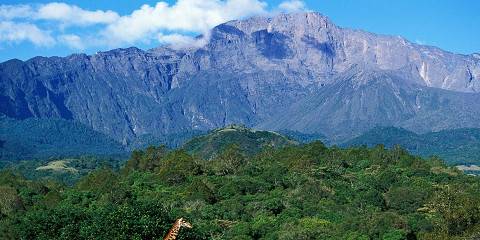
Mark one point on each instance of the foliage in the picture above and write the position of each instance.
(295, 192)
(52, 138)
(39, 139)
(249, 141)
(66, 171)
(456, 146)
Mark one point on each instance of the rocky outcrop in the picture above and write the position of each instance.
(292, 71)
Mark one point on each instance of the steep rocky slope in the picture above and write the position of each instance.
(292, 71)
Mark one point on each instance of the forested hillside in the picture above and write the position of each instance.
(456, 146)
(41, 139)
(295, 192)
(249, 141)
(53, 138)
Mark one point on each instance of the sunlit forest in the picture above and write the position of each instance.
(307, 191)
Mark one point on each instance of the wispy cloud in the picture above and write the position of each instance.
(72, 40)
(73, 15)
(174, 24)
(9, 12)
(184, 16)
(179, 41)
(421, 42)
(12, 32)
(59, 12)
(292, 6)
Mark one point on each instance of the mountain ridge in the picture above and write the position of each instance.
(252, 72)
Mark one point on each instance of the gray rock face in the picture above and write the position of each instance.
(293, 71)
(361, 99)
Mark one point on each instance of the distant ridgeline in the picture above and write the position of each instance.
(41, 139)
(34, 138)
(457, 146)
(44, 139)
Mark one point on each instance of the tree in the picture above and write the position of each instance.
(177, 166)
(10, 202)
(229, 161)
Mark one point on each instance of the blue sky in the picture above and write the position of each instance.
(46, 28)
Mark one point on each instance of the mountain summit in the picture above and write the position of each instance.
(292, 71)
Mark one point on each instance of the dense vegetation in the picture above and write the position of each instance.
(65, 171)
(249, 141)
(52, 138)
(40, 139)
(295, 192)
(457, 146)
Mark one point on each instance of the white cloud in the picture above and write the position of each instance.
(73, 15)
(61, 12)
(18, 32)
(184, 16)
(8, 12)
(172, 24)
(420, 42)
(292, 6)
(72, 40)
(179, 41)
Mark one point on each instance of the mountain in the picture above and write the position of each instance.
(304, 137)
(457, 146)
(362, 98)
(295, 71)
(249, 141)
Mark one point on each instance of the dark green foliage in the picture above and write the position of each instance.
(294, 192)
(75, 169)
(147, 160)
(52, 138)
(228, 161)
(34, 139)
(177, 166)
(249, 141)
(457, 146)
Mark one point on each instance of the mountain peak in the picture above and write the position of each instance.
(283, 22)
(293, 71)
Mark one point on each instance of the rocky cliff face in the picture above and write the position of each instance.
(292, 71)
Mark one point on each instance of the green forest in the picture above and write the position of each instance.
(455, 146)
(292, 191)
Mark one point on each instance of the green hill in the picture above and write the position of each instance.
(248, 140)
(458, 146)
(52, 138)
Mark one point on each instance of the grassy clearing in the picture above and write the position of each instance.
(60, 166)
